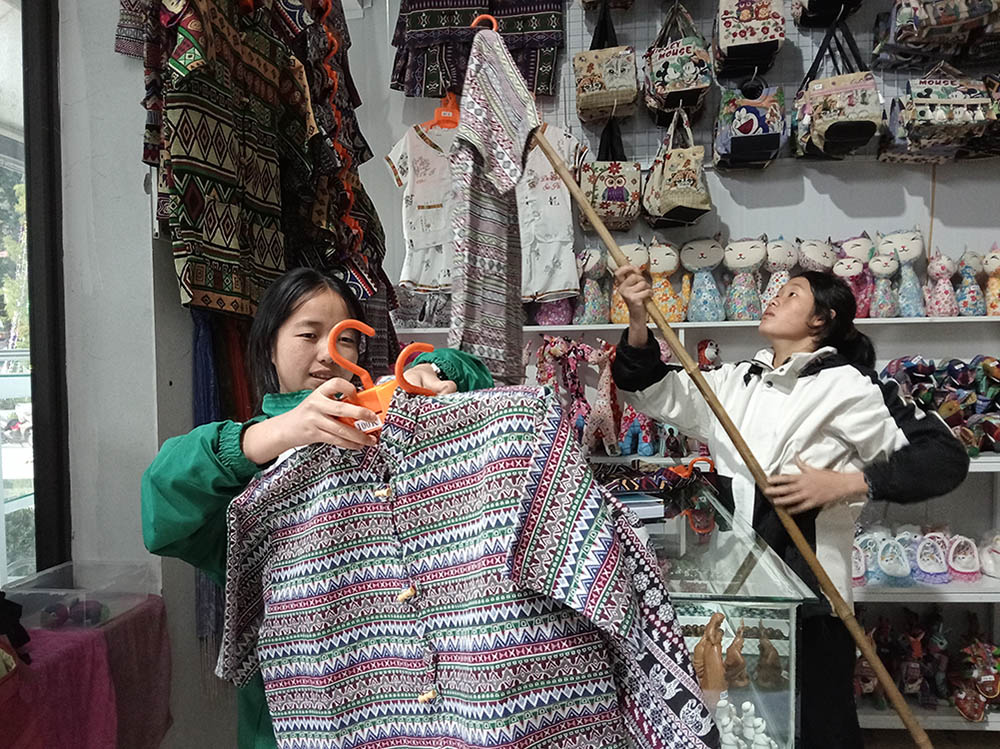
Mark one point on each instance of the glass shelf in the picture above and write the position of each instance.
(734, 564)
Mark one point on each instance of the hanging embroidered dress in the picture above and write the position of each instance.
(465, 583)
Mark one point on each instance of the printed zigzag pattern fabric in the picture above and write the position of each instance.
(538, 617)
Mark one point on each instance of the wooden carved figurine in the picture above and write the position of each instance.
(707, 661)
(735, 663)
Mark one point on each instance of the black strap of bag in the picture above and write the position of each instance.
(604, 31)
(830, 38)
(611, 148)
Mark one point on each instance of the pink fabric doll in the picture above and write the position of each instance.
(552, 350)
(861, 248)
(579, 408)
(601, 426)
(939, 294)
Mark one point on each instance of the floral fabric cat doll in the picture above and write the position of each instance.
(744, 258)
(908, 247)
(701, 257)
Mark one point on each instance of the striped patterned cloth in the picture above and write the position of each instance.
(487, 160)
(465, 583)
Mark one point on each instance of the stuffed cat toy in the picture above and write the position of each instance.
(969, 295)
(664, 259)
(939, 294)
(908, 247)
(862, 248)
(638, 255)
(744, 258)
(851, 270)
(885, 303)
(592, 306)
(816, 254)
(601, 426)
(782, 256)
(701, 257)
(991, 266)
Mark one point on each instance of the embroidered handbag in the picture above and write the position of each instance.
(837, 115)
(612, 184)
(676, 67)
(750, 130)
(944, 108)
(819, 14)
(606, 76)
(747, 36)
(988, 144)
(675, 193)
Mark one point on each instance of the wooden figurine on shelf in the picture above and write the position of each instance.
(736, 663)
(991, 266)
(601, 426)
(592, 306)
(969, 295)
(769, 670)
(939, 294)
(664, 260)
(707, 661)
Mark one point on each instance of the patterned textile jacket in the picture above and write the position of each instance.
(464, 583)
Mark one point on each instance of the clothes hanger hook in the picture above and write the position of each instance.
(366, 379)
(485, 17)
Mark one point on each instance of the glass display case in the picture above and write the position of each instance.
(714, 564)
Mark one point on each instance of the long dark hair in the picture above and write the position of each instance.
(276, 305)
(834, 304)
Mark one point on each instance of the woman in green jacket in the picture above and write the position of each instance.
(189, 485)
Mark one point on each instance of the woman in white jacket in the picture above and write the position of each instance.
(828, 433)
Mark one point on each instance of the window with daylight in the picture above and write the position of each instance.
(33, 531)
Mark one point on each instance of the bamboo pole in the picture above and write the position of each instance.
(691, 367)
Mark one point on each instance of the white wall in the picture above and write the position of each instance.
(128, 343)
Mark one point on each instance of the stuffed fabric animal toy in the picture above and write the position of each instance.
(638, 432)
(851, 270)
(559, 312)
(909, 247)
(816, 254)
(701, 257)
(551, 352)
(861, 248)
(601, 426)
(744, 258)
(664, 259)
(969, 295)
(782, 256)
(637, 255)
(885, 302)
(579, 408)
(709, 356)
(939, 294)
(593, 304)
(991, 266)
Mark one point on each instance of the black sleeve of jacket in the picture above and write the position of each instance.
(636, 368)
(933, 463)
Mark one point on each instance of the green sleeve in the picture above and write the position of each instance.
(185, 493)
(465, 370)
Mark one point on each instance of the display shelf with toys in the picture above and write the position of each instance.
(986, 590)
(932, 719)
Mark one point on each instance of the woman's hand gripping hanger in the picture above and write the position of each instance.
(376, 398)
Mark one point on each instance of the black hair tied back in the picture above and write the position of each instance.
(834, 304)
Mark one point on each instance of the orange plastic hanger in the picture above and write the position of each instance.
(446, 115)
(485, 17)
(374, 397)
(688, 469)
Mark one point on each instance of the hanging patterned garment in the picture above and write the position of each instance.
(487, 160)
(465, 583)
(433, 40)
(226, 128)
(130, 35)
